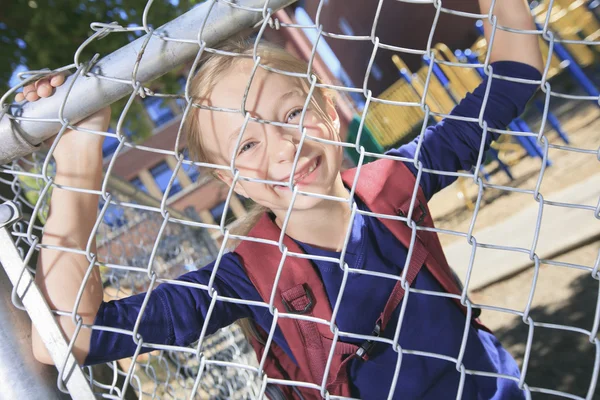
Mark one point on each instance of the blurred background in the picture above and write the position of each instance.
(562, 290)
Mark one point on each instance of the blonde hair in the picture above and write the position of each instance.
(214, 65)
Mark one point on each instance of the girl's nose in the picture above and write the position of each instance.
(286, 149)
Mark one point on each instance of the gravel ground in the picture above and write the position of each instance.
(560, 359)
(581, 121)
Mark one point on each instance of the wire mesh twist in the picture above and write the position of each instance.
(222, 365)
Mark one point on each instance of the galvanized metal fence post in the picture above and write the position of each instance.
(23, 377)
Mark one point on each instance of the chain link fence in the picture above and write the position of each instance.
(127, 237)
(140, 243)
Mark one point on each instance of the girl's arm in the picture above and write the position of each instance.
(453, 144)
(72, 216)
(509, 46)
(173, 315)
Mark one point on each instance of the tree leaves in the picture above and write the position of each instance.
(46, 33)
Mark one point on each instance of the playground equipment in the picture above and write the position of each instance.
(399, 115)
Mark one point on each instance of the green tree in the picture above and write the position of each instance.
(46, 33)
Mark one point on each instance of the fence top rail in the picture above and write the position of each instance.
(98, 84)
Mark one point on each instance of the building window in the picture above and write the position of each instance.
(217, 213)
(114, 216)
(162, 174)
(137, 182)
(191, 170)
(327, 54)
(158, 110)
(110, 144)
(181, 103)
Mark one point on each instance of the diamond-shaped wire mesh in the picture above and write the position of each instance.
(141, 243)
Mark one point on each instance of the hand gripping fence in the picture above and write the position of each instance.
(152, 243)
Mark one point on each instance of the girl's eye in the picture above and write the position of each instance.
(247, 147)
(294, 113)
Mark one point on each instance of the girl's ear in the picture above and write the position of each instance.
(226, 177)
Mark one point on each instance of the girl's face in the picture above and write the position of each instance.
(267, 151)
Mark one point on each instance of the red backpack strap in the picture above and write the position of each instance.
(387, 186)
(299, 300)
(279, 366)
(299, 290)
(417, 260)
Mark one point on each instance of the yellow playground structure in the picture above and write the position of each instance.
(418, 98)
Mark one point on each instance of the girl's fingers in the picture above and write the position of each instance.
(32, 96)
(57, 80)
(45, 86)
(41, 88)
(28, 88)
(29, 93)
(44, 89)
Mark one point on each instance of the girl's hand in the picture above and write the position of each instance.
(73, 145)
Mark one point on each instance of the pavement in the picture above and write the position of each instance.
(561, 229)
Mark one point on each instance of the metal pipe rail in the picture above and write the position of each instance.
(25, 126)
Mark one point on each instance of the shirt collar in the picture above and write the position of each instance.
(355, 250)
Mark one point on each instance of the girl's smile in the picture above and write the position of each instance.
(305, 174)
(268, 147)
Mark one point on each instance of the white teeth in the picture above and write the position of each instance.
(310, 170)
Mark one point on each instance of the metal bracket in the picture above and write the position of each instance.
(9, 214)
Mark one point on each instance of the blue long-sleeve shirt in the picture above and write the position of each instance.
(175, 314)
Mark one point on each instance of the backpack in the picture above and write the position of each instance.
(296, 290)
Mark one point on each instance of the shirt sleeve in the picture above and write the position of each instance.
(174, 314)
(453, 145)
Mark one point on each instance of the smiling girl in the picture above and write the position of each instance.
(266, 147)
